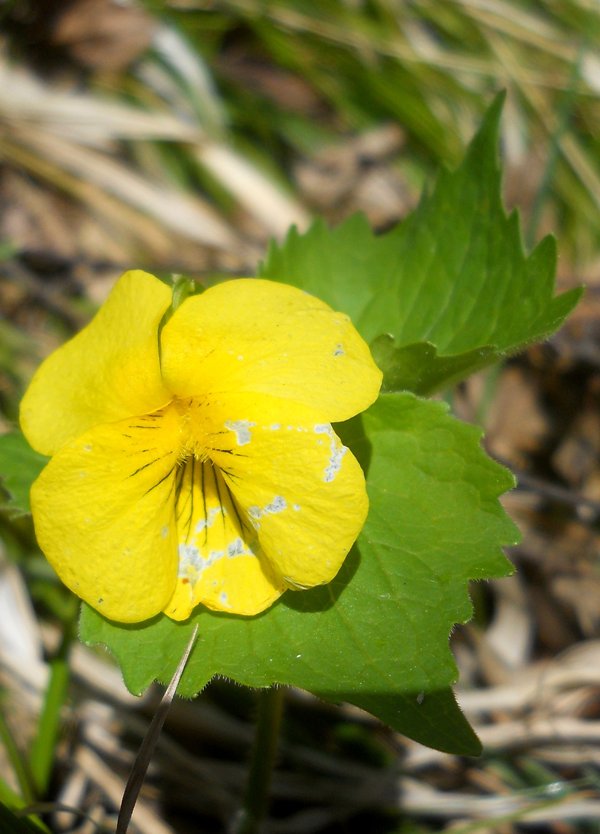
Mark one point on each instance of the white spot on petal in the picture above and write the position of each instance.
(277, 505)
(236, 548)
(214, 556)
(335, 463)
(164, 532)
(339, 351)
(336, 452)
(241, 429)
(88, 447)
(190, 561)
(210, 519)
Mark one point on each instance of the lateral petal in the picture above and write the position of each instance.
(292, 479)
(103, 511)
(107, 372)
(220, 563)
(252, 335)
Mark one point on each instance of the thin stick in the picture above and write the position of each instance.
(142, 760)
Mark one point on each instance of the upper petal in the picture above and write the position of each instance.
(252, 335)
(103, 510)
(107, 372)
(294, 482)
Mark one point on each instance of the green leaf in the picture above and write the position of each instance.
(10, 823)
(419, 368)
(451, 285)
(377, 635)
(19, 467)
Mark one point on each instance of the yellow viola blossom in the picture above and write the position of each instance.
(196, 464)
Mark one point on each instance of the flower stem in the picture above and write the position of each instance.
(256, 798)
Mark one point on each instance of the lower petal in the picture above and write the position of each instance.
(220, 562)
(103, 514)
(292, 479)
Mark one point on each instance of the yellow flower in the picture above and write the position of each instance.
(203, 469)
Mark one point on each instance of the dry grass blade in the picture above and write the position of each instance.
(142, 760)
(512, 20)
(104, 211)
(569, 146)
(80, 132)
(21, 648)
(175, 209)
(184, 83)
(195, 92)
(419, 798)
(409, 44)
(271, 207)
(24, 99)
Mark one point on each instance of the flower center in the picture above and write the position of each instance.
(194, 430)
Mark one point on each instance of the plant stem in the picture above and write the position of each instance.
(256, 799)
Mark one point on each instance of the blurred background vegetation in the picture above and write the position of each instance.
(179, 137)
(172, 127)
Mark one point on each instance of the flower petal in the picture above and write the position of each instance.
(106, 373)
(220, 565)
(294, 482)
(103, 510)
(252, 335)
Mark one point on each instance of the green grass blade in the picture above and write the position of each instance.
(43, 749)
(19, 766)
